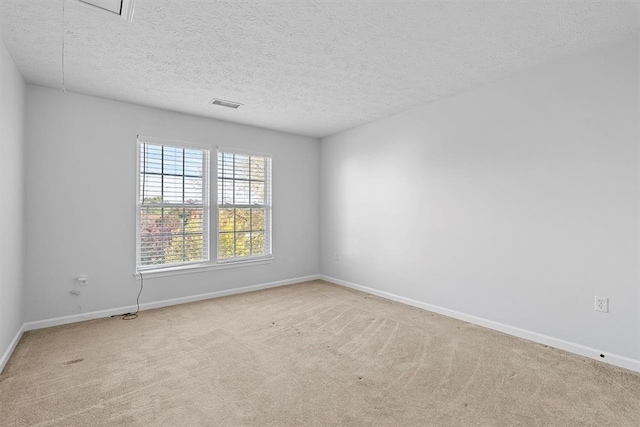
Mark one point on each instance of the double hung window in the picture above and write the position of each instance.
(173, 204)
(173, 227)
(244, 205)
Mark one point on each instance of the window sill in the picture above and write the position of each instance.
(199, 268)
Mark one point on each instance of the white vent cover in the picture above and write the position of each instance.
(122, 8)
(223, 103)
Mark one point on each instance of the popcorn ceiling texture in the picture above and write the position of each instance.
(306, 67)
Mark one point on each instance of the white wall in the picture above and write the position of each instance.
(12, 113)
(516, 202)
(80, 203)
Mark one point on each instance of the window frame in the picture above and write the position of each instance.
(212, 211)
(268, 205)
(206, 204)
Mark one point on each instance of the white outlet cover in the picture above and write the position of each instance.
(602, 304)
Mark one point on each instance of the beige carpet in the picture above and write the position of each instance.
(308, 354)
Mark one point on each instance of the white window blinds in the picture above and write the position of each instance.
(173, 204)
(244, 205)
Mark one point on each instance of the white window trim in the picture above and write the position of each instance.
(213, 263)
(200, 268)
(143, 139)
(258, 258)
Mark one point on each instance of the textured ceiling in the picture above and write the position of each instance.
(307, 67)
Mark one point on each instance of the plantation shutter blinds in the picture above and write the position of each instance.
(244, 205)
(173, 204)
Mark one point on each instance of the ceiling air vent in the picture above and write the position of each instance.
(121, 8)
(224, 103)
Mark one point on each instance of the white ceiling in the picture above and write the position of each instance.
(308, 67)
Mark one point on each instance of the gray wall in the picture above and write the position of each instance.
(80, 203)
(517, 202)
(12, 112)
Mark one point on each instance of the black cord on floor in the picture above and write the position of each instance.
(131, 316)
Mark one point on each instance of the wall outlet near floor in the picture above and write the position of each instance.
(602, 304)
(83, 280)
(335, 256)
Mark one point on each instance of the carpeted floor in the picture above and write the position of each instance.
(307, 354)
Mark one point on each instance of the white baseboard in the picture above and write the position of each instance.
(592, 353)
(29, 326)
(12, 346)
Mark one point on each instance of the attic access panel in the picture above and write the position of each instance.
(122, 8)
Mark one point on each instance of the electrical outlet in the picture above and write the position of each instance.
(602, 304)
(335, 256)
(83, 280)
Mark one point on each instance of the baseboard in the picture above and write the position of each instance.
(581, 350)
(158, 304)
(12, 346)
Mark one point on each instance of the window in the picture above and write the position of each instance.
(173, 204)
(244, 205)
